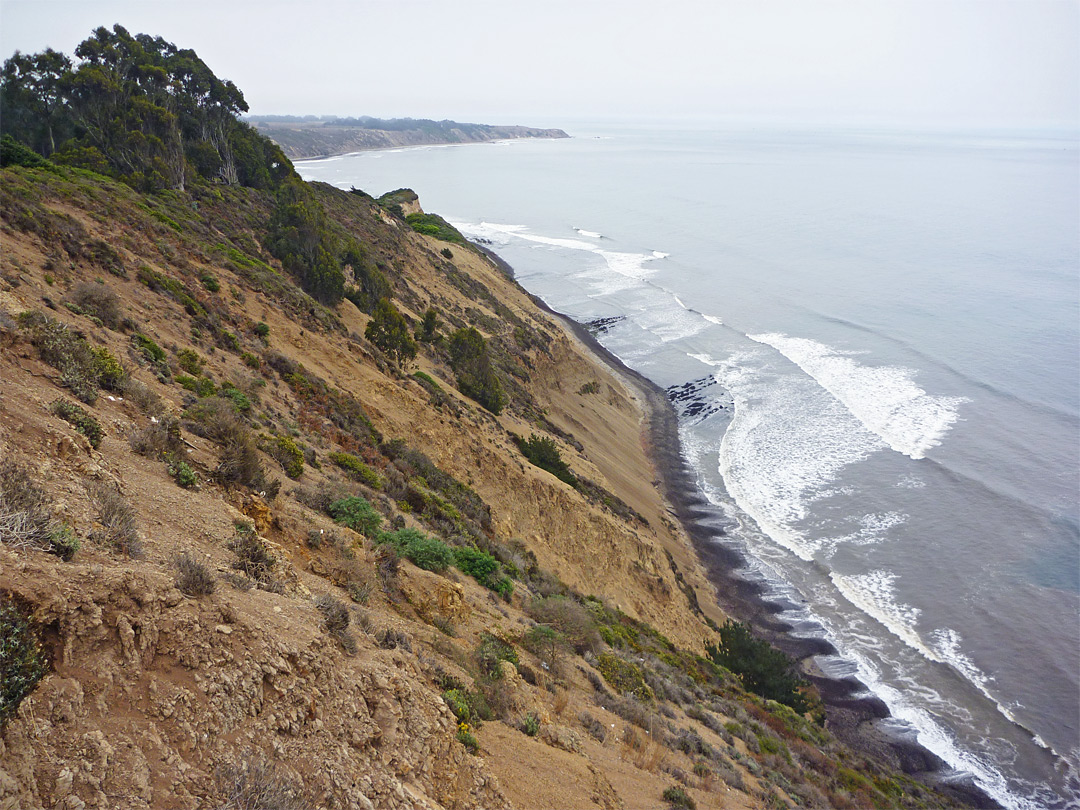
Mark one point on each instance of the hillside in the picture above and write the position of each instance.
(304, 502)
(300, 138)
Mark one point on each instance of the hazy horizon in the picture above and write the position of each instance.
(911, 63)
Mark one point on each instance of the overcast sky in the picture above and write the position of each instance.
(544, 61)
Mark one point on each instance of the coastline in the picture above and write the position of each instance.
(852, 712)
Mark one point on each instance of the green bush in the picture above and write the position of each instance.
(83, 368)
(200, 386)
(434, 225)
(476, 378)
(289, 455)
(210, 283)
(148, 348)
(82, 421)
(22, 661)
(250, 360)
(262, 330)
(479, 565)
(357, 514)
(530, 724)
(625, 677)
(183, 474)
(677, 797)
(241, 402)
(763, 669)
(189, 361)
(542, 452)
(63, 542)
(490, 652)
(357, 469)
(389, 331)
(465, 737)
(424, 551)
(544, 642)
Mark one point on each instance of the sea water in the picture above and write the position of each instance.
(872, 339)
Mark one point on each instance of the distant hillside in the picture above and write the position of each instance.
(310, 136)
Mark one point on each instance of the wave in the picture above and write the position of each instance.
(1017, 397)
(884, 398)
(786, 443)
(592, 234)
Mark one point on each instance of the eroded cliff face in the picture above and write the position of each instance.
(317, 666)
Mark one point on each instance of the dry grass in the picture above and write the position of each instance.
(193, 577)
(25, 521)
(159, 439)
(336, 619)
(255, 784)
(117, 519)
(98, 301)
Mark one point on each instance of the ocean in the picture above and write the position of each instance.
(871, 338)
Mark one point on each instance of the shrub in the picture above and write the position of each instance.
(253, 558)
(465, 737)
(596, 729)
(22, 661)
(490, 652)
(624, 677)
(336, 618)
(677, 797)
(476, 378)
(542, 452)
(25, 521)
(434, 225)
(530, 724)
(424, 551)
(763, 669)
(201, 387)
(63, 542)
(446, 253)
(286, 452)
(182, 473)
(98, 301)
(569, 618)
(591, 387)
(357, 514)
(479, 565)
(544, 642)
(256, 784)
(148, 348)
(78, 418)
(262, 330)
(119, 527)
(250, 360)
(210, 283)
(144, 398)
(193, 577)
(83, 368)
(189, 361)
(389, 331)
(241, 402)
(159, 439)
(357, 469)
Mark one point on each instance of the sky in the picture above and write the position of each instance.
(544, 62)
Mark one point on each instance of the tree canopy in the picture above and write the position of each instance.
(139, 109)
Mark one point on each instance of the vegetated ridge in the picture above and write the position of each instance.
(312, 136)
(305, 503)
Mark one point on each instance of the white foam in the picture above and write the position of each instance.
(873, 594)
(713, 319)
(787, 442)
(659, 254)
(884, 398)
(592, 234)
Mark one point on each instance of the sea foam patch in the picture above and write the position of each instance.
(884, 398)
(787, 442)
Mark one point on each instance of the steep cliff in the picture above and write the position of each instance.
(310, 572)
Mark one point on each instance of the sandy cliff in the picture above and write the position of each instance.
(327, 672)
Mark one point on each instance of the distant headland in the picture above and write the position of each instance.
(311, 136)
